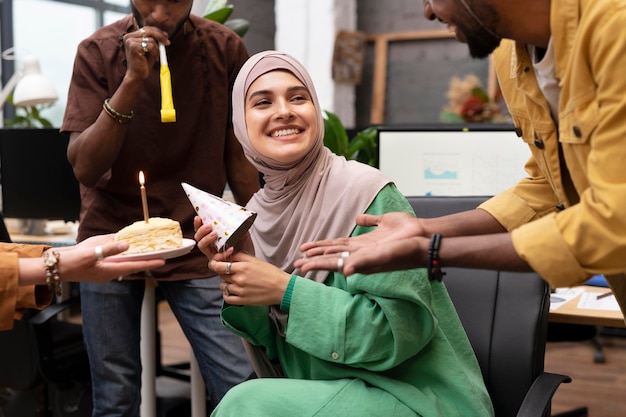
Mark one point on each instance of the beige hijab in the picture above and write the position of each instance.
(317, 197)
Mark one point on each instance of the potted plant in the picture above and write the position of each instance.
(361, 147)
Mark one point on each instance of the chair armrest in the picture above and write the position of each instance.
(539, 396)
(52, 310)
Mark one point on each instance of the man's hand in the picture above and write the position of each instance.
(383, 249)
(389, 227)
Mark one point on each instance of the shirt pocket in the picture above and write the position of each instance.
(576, 129)
(525, 129)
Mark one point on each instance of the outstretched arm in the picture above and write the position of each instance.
(471, 239)
(80, 263)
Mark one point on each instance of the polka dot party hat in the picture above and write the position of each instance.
(228, 219)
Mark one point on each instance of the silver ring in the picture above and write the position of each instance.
(142, 31)
(228, 265)
(120, 278)
(345, 254)
(99, 254)
(144, 44)
(340, 265)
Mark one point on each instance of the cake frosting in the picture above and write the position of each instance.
(158, 234)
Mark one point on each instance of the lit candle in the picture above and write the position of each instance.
(144, 200)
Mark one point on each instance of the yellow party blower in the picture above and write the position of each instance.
(168, 114)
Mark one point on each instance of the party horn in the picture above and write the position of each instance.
(168, 114)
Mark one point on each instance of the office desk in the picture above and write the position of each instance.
(570, 313)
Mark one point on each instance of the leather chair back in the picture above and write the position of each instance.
(505, 316)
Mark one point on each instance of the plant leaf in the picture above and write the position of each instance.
(239, 26)
(335, 135)
(220, 15)
(480, 93)
(215, 5)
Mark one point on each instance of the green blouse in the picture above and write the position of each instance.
(379, 344)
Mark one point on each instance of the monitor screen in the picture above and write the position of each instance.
(36, 177)
(452, 159)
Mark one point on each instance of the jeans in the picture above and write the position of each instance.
(111, 327)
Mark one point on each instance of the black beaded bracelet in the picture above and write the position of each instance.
(434, 265)
(115, 115)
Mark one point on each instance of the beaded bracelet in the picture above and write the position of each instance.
(115, 115)
(434, 265)
(51, 260)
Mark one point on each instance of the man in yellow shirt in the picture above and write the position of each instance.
(560, 67)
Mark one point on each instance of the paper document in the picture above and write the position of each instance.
(590, 300)
(562, 295)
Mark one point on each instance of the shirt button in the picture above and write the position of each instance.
(577, 131)
(334, 355)
(539, 143)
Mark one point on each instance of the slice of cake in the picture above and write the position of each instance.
(158, 234)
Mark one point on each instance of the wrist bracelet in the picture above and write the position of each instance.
(434, 265)
(119, 117)
(51, 260)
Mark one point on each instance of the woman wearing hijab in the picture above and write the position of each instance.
(367, 345)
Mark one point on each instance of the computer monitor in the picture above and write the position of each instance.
(36, 177)
(452, 159)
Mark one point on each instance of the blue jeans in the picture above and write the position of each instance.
(111, 326)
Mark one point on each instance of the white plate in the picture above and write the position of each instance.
(187, 246)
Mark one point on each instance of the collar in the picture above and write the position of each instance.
(564, 21)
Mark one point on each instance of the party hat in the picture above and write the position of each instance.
(228, 219)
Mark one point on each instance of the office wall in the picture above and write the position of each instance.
(418, 71)
(260, 14)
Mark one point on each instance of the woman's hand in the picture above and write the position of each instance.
(248, 280)
(81, 262)
(207, 239)
(86, 261)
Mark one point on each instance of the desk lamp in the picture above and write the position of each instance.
(28, 85)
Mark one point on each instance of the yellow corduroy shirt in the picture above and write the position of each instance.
(569, 233)
(15, 299)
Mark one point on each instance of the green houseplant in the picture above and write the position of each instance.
(219, 11)
(29, 116)
(361, 147)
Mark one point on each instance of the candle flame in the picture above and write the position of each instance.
(142, 179)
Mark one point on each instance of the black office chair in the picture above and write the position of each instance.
(44, 363)
(505, 316)
(44, 370)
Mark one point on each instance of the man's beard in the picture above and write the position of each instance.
(480, 42)
(479, 35)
